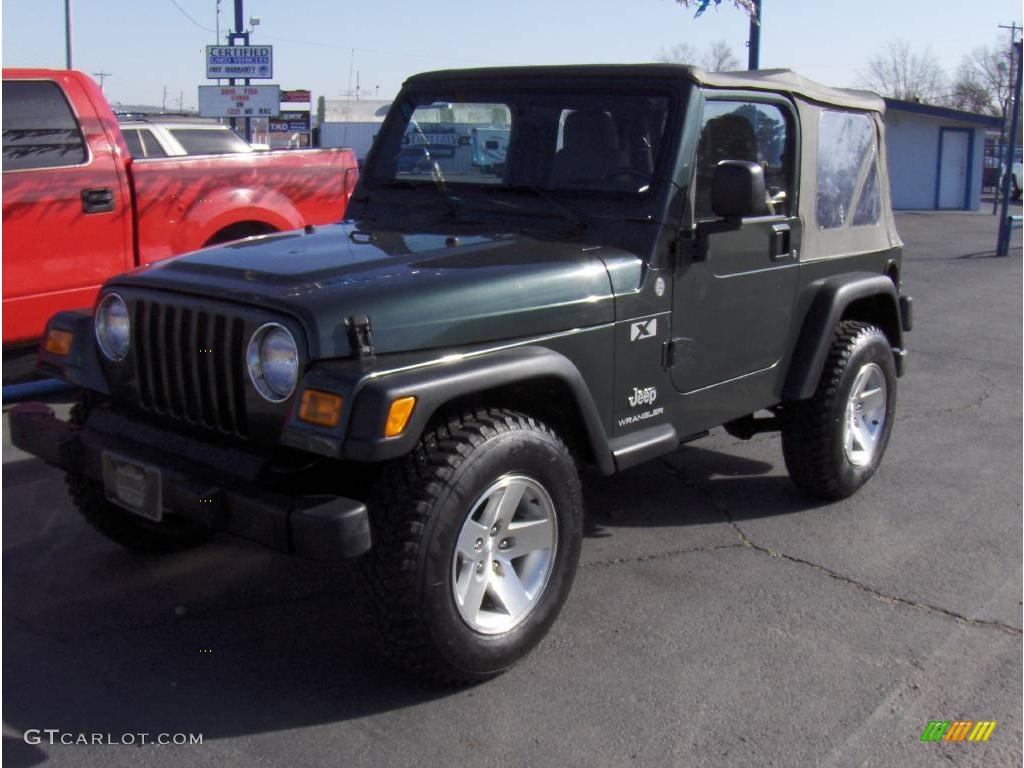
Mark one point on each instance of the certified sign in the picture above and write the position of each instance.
(252, 61)
(239, 100)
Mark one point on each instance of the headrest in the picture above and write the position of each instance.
(590, 130)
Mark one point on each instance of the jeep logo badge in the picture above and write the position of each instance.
(645, 396)
(645, 329)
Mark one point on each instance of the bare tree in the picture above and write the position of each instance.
(899, 73)
(680, 53)
(720, 58)
(747, 6)
(969, 93)
(984, 81)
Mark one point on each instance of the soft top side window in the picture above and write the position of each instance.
(847, 180)
(745, 130)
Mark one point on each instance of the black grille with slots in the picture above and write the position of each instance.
(190, 364)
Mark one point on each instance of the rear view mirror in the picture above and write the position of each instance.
(738, 190)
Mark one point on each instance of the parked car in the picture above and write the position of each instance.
(1015, 180)
(666, 251)
(179, 137)
(79, 207)
(414, 160)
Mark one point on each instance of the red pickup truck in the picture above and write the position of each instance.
(77, 208)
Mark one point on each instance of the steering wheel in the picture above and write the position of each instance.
(628, 173)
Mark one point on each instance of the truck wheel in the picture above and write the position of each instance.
(476, 545)
(834, 442)
(121, 526)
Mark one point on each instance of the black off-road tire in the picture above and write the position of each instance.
(172, 534)
(405, 581)
(813, 430)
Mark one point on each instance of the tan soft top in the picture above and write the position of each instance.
(788, 81)
(776, 80)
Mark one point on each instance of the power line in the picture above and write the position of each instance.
(189, 17)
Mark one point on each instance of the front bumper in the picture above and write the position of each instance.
(212, 486)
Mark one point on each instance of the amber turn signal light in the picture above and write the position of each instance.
(58, 342)
(321, 408)
(398, 416)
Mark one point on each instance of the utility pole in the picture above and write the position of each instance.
(102, 76)
(67, 32)
(233, 38)
(754, 43)
(163, 102)
(1003, 243)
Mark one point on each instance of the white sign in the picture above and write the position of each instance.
(239, 100)
(252, 61)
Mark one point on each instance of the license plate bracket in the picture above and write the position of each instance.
(133, 486)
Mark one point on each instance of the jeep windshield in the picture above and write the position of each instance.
(590, 143)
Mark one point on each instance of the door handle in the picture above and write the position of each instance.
(778, 248)
(99, 200)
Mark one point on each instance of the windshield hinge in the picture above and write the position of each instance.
(360, 336)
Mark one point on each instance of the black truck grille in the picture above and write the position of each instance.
(189, 365)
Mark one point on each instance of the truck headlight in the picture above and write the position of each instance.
(113, 327)
(273, 361)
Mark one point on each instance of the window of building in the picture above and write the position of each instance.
(39, 128)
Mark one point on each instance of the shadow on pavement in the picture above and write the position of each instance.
(232, 639)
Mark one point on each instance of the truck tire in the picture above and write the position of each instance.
(122, 527)
(834, 441)
(477, 538)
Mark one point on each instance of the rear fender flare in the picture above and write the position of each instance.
(832, 297)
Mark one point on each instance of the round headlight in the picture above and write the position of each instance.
(273, 361)
(113, 327)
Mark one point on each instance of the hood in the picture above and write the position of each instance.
(420, 290)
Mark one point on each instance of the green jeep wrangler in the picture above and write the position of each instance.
(659, 252)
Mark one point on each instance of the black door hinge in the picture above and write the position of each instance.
(674, 351)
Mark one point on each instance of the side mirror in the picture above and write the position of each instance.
(738, 190)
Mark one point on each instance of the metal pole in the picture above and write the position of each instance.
(754, 44)
(1006, 102)
(1003, 243)
(67, 32)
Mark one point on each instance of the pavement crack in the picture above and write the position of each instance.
(745, 541)
(911, 411)
(670, 553)
(929, 607)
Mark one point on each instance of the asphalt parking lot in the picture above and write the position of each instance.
(718, 618)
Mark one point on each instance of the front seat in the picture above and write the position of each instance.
(590, 150)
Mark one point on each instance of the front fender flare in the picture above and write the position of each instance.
(435, 384)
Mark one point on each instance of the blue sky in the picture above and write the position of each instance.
(147, 44)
